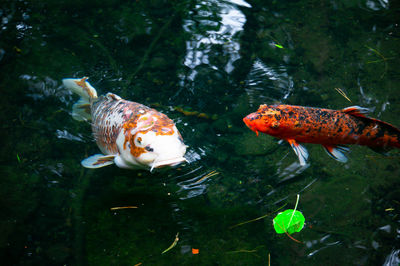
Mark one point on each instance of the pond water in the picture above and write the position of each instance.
(206, 64)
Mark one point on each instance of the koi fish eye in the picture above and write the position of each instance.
(139, 140)
(148, 148)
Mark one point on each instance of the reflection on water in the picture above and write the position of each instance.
(212, 24)
(310, 245)
(377, 5)
(192, 187)
(64, 134)
(290, 171)
(393, 258)
(42, 88)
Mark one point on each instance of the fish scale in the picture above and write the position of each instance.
(109, 114)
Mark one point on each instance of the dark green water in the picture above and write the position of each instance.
(215, 57)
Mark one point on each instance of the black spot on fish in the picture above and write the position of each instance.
(380, 133)
(360, 128)
(256, 117)
(277, 117)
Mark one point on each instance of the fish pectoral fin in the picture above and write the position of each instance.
(300, 151)
(337, 152)
(357, 111)
(98, 160)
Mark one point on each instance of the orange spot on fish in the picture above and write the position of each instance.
(272, 112)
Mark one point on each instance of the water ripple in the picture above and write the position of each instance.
(266, 84)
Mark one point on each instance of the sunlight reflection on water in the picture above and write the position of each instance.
(266, 84)
(223, 22)
(43, 88)
(211, 24)
(64, 134)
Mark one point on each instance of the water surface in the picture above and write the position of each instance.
(220, 59)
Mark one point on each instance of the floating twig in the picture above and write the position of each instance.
(212, 173)
(244, 251)
(384, 59)
(173, 244)
(121, 208)
(342, 93)
(258, 218)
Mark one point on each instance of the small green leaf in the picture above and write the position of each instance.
(19, 160)
(282, 220)
(279, 46)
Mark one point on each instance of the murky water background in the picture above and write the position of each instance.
(206, 64)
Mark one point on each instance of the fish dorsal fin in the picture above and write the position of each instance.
(113, 96)
(357, 111)
(362, 111)
(98, 160)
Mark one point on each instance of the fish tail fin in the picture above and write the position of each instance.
(81, 109)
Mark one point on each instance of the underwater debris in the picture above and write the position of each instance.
(341, 92)
(188, 112)
(173, 244)
(289, 222)
(212, 173)
(384, 59)
(121, 208)
(258, 218)
(195, 251)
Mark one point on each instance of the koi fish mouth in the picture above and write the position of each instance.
(169, 162)
(248, 123)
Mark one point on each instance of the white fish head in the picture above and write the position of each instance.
(151, 148)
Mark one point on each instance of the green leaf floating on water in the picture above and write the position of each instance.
(289, 222)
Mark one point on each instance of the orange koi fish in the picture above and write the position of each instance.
(329, 128)
(129, 134)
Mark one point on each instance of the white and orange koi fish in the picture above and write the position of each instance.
(129, 134)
